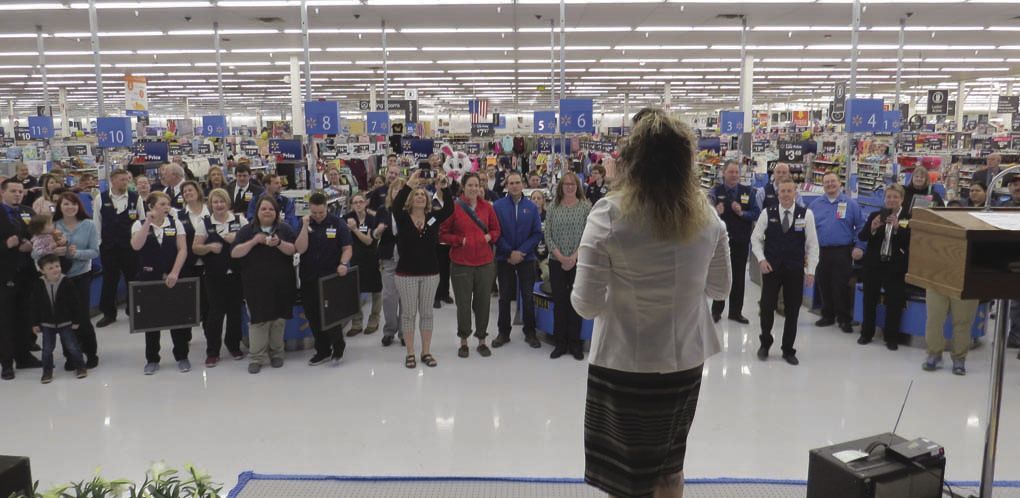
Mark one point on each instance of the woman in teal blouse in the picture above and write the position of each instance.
(82, 247)
(564, 225)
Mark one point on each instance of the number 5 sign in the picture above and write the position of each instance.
(577, 116)
(378, 123)
(114, 132)
(545, 122)
(864, 115)
(322, 118)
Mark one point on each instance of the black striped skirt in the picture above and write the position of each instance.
(635, 428)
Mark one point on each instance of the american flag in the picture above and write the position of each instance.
(479, 109)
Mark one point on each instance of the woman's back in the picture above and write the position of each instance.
(648, 295)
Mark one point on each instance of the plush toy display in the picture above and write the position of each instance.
(457, 163)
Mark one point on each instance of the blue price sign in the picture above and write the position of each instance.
(40, 127)
(377, 123)
(286, 149)
(892, 121)
(545, 122)
(214, 126)
(114, 132)
(322, 118)
(864, 115)
(154, 151)
(731, 122)
(577, 116)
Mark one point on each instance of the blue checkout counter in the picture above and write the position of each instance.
(544, 315)
(915, 316)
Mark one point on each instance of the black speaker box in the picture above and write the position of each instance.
(15, 476)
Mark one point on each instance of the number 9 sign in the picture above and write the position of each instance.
(322, 118)
(214, 126)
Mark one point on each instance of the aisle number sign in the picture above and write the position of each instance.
(214, 126)
(377, 123)
(864, 115)
(576, 115)
(114, 132)
(545, 122)
(892, 122)
(322, 118)
(731, 122)
(40, 127)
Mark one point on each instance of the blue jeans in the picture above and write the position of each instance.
(67, 340)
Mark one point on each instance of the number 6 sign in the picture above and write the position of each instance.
(864, 115)
(576, 116)
(322, 118)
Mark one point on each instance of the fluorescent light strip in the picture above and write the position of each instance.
(686, 28)
(455, 30)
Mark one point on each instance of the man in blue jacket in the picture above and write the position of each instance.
(838, 219)
(273, 187)
(515, 257)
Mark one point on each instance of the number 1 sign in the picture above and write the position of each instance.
(322, 118)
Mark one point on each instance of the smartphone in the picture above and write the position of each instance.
(426, 169)
(884, 214)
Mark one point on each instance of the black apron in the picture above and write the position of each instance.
(269, 282)
(366, 257)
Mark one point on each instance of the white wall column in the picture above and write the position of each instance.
(746, 101)
(960, 98)
(297, 111)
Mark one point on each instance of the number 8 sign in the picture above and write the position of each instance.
(864, 115)
(322, 118)
(577, 116)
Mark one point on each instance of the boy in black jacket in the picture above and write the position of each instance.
(55, 311)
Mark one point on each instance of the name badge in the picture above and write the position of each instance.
(331, 233)
(363, 228)
(904, 223)
(841, 211)
(180, 198)
(233, 226)
(773, 220)
(108, 204)
(26, 217)
(247, 196)
(133, 214)
(799, 224)
(170, 232)
(430, 222)
(744, 198)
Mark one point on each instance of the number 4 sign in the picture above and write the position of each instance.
(577, 116)
(864, 115)
(377, 123)
(322, 118)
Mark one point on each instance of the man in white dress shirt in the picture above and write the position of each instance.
(783, 240)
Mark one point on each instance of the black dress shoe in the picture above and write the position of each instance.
(863, 340)
(104, 321)
(559, 351)
(846, 328)
(763, 353)
(387, 340)
(892, 346)
(577, 354)
(716, 318)
(447, 300)
(28, 361)
(824, 323)
(7, 373)
(500, 340)
(437, 304)
(533, 341)
(91, 362)
(791, 359)
(739, 319)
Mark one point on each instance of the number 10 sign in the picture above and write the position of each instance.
(114, 132)
(577, 116)
(322, 118)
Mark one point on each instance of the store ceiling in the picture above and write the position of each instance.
(501, 51)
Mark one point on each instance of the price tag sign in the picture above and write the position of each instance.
(892, 122)
(791, 152)
(1008, 104)
(114, 132)
(214, 126)
(863, 115)
(286, 149)
(377, 123)
(1015, 122)
(322, 118)
(1015, 141)
(759, 146)
(22, 134)
(731, 122)
(77, 150)
(577, 116)
(153, 151)
(544, 122)
(40, 127)
(938, 101)
(482, 130)
(829, 147)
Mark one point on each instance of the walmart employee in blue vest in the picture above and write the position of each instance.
(736, 205)
(786, 247)
(115, 211)
(838, 219)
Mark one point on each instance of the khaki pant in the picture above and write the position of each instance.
(472, 288)
(265, 340)
(373, 318)
(963, 311)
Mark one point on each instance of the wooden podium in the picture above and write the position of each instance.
(959, 255)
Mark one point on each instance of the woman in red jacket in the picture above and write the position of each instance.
(470, 233)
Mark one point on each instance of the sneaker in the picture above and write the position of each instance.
(238, 355)
(500, 341)
(254, 368)
(387, 340)
(211, 361)
(484, 350)
(7, 373)
(533, 341)
(105, 321)
(353, 332)
(318, 359)
(184, 366)
(338, 351)
(932, 363)
(463, 352)
(150, 368)
(276, 362)
(81, 373)
(959, 368)
(47, 376)
(371, 328)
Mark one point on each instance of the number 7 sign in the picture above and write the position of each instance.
(377, 123)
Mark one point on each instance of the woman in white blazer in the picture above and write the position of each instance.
(653, 253)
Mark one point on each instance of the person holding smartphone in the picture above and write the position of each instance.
(887, 235)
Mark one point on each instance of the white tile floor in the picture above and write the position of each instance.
(517, 413)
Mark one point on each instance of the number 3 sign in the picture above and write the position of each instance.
(322, 118)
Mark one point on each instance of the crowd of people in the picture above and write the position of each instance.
(411, 239)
